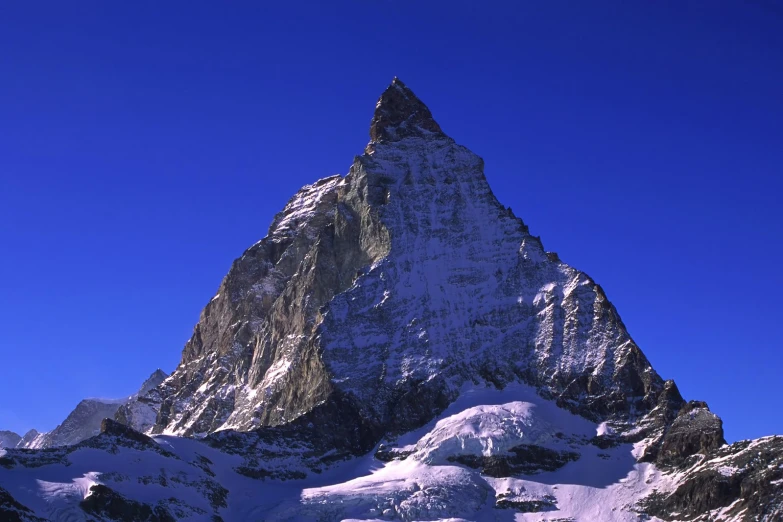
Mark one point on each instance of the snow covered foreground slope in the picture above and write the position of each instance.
(492, 455)
(400, 347)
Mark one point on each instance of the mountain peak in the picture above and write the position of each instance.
(157, 377)
(9, 439)
(400, 114)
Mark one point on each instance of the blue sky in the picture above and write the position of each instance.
(145, 146)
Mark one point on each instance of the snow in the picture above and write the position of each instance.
(304, 204)
(727, 471)
(79, 487)
(604, 429)
(277, 370)
(601, 485)
(484, 430)
(423, 488)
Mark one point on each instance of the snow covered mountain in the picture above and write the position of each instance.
(400, 347)
(28, 438)
(85, 420)
(9, 439)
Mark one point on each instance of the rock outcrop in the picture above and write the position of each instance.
(696, 430)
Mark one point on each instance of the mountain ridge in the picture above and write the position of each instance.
(85, 419)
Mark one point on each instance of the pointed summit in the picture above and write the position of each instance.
(400, 114)
(157, 377)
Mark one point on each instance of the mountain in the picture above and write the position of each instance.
(30, 439)
(399, 346)
(387, 290)
(9, 439)
(85, 420)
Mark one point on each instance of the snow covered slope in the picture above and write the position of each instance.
(400, 347)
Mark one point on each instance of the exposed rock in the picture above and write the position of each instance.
(107, 504)
(743, 481)
(695, 430)
(331, 432)
(526, 459)
(524, 503)
(400, 114)
(116, 429)
(653, 426)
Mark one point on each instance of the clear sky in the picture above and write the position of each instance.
(144, 145)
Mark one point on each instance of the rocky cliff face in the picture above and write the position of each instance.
(400, 347)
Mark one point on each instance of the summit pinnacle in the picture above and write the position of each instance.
(400, 114)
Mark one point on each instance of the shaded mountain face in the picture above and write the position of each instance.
(400, 347)
(9, 439)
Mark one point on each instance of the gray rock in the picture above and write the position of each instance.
(742, 481)
(400, 114)
(107, 504)
(695, 430)
(526, 459)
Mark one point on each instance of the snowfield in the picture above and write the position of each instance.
(423, 482)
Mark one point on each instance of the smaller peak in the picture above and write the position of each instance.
(152, 382)
(400, 114)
